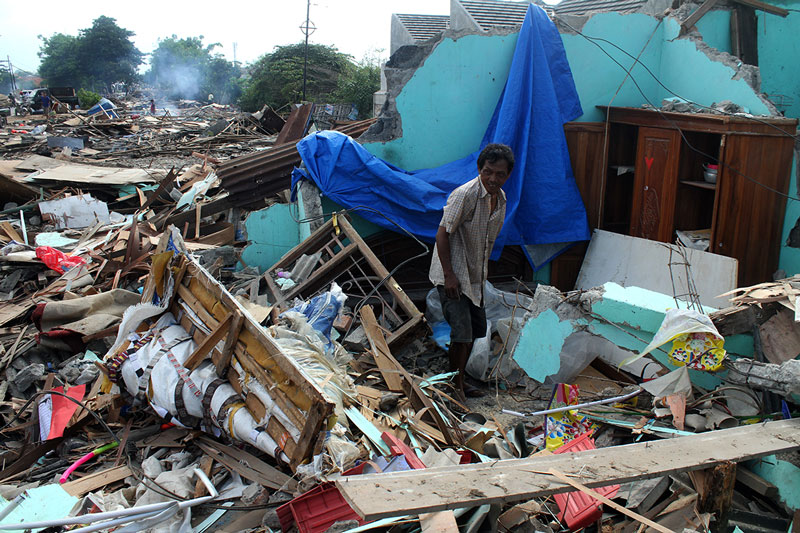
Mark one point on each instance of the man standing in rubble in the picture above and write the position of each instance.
(470, 224)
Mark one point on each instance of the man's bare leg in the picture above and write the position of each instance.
(458, 354)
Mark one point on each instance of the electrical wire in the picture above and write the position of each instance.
(673, 123)
(391, 273)
(673, 93)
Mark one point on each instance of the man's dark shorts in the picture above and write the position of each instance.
(467, 320)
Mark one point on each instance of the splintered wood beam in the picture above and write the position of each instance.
(375, 496)
(763, 6)
(388, 366)
(209, 342)
(224, 360)
(692, 19)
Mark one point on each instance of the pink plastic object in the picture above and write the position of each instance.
(58, 260)
(74, 467)
(578, 510)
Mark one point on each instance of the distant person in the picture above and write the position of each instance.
(210, 98)
(152, 107)
(45, 99)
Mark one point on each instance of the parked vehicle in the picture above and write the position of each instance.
(65, 95)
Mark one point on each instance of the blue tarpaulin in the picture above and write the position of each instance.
(544, 206)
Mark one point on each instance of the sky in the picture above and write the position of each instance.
(355, 27)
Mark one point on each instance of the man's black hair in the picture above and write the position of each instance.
(496, 152)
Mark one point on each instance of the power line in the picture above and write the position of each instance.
(672, 122)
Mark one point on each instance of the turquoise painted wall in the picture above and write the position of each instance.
(271, 232)
(597, 77)
(778, 49)
(447, 103)
(710, 81)
(715, 27)
(783, 475)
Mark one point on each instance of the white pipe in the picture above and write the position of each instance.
(13, 505)
(578, 406)
(132, 512)
(115, 522)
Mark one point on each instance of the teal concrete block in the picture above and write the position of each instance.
(538, 351)
(271, 232)
(783, 475)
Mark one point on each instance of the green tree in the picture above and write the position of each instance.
(277, 78)
(186, 68)
(107, 55)
(59, 65)
(99, 56)
(357, 85)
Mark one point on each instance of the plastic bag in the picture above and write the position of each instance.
(478, 362)
(58, 260)
(342, 451)
(696, 342)
(322, 310)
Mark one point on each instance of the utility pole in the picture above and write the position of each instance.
(307, 29)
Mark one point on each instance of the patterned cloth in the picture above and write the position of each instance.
(473, 228)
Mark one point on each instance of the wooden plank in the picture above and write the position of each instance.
(375, 496)
(92, 482)
(441, 522)
(235, 466)
(763, 6)
(10, 231)
(692, 19)
(388, 366)
(780, 337)
(209, 342)
(223, 362)
(596, 495)
(275, 475)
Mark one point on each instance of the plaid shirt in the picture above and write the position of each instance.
(472, 228)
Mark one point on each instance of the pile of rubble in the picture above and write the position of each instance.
(150, 380)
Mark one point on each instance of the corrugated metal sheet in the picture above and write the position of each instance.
(251, 179)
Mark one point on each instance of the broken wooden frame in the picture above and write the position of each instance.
(227, 334)
(375, 496)
(347, 260)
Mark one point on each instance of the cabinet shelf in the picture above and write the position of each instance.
(700, 184)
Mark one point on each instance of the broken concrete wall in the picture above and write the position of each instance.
(597, 76)
(612, 322)
(443, 101)
(442, 95)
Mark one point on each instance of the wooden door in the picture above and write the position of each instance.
(655, 183)
(749, 216)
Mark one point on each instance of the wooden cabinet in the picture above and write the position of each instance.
(641, 174)
(655, 184)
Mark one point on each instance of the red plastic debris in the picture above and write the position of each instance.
(58, 260)
(316, 510)
(577, 509)
(399, 447)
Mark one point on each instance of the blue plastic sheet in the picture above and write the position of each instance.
(544, 205)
